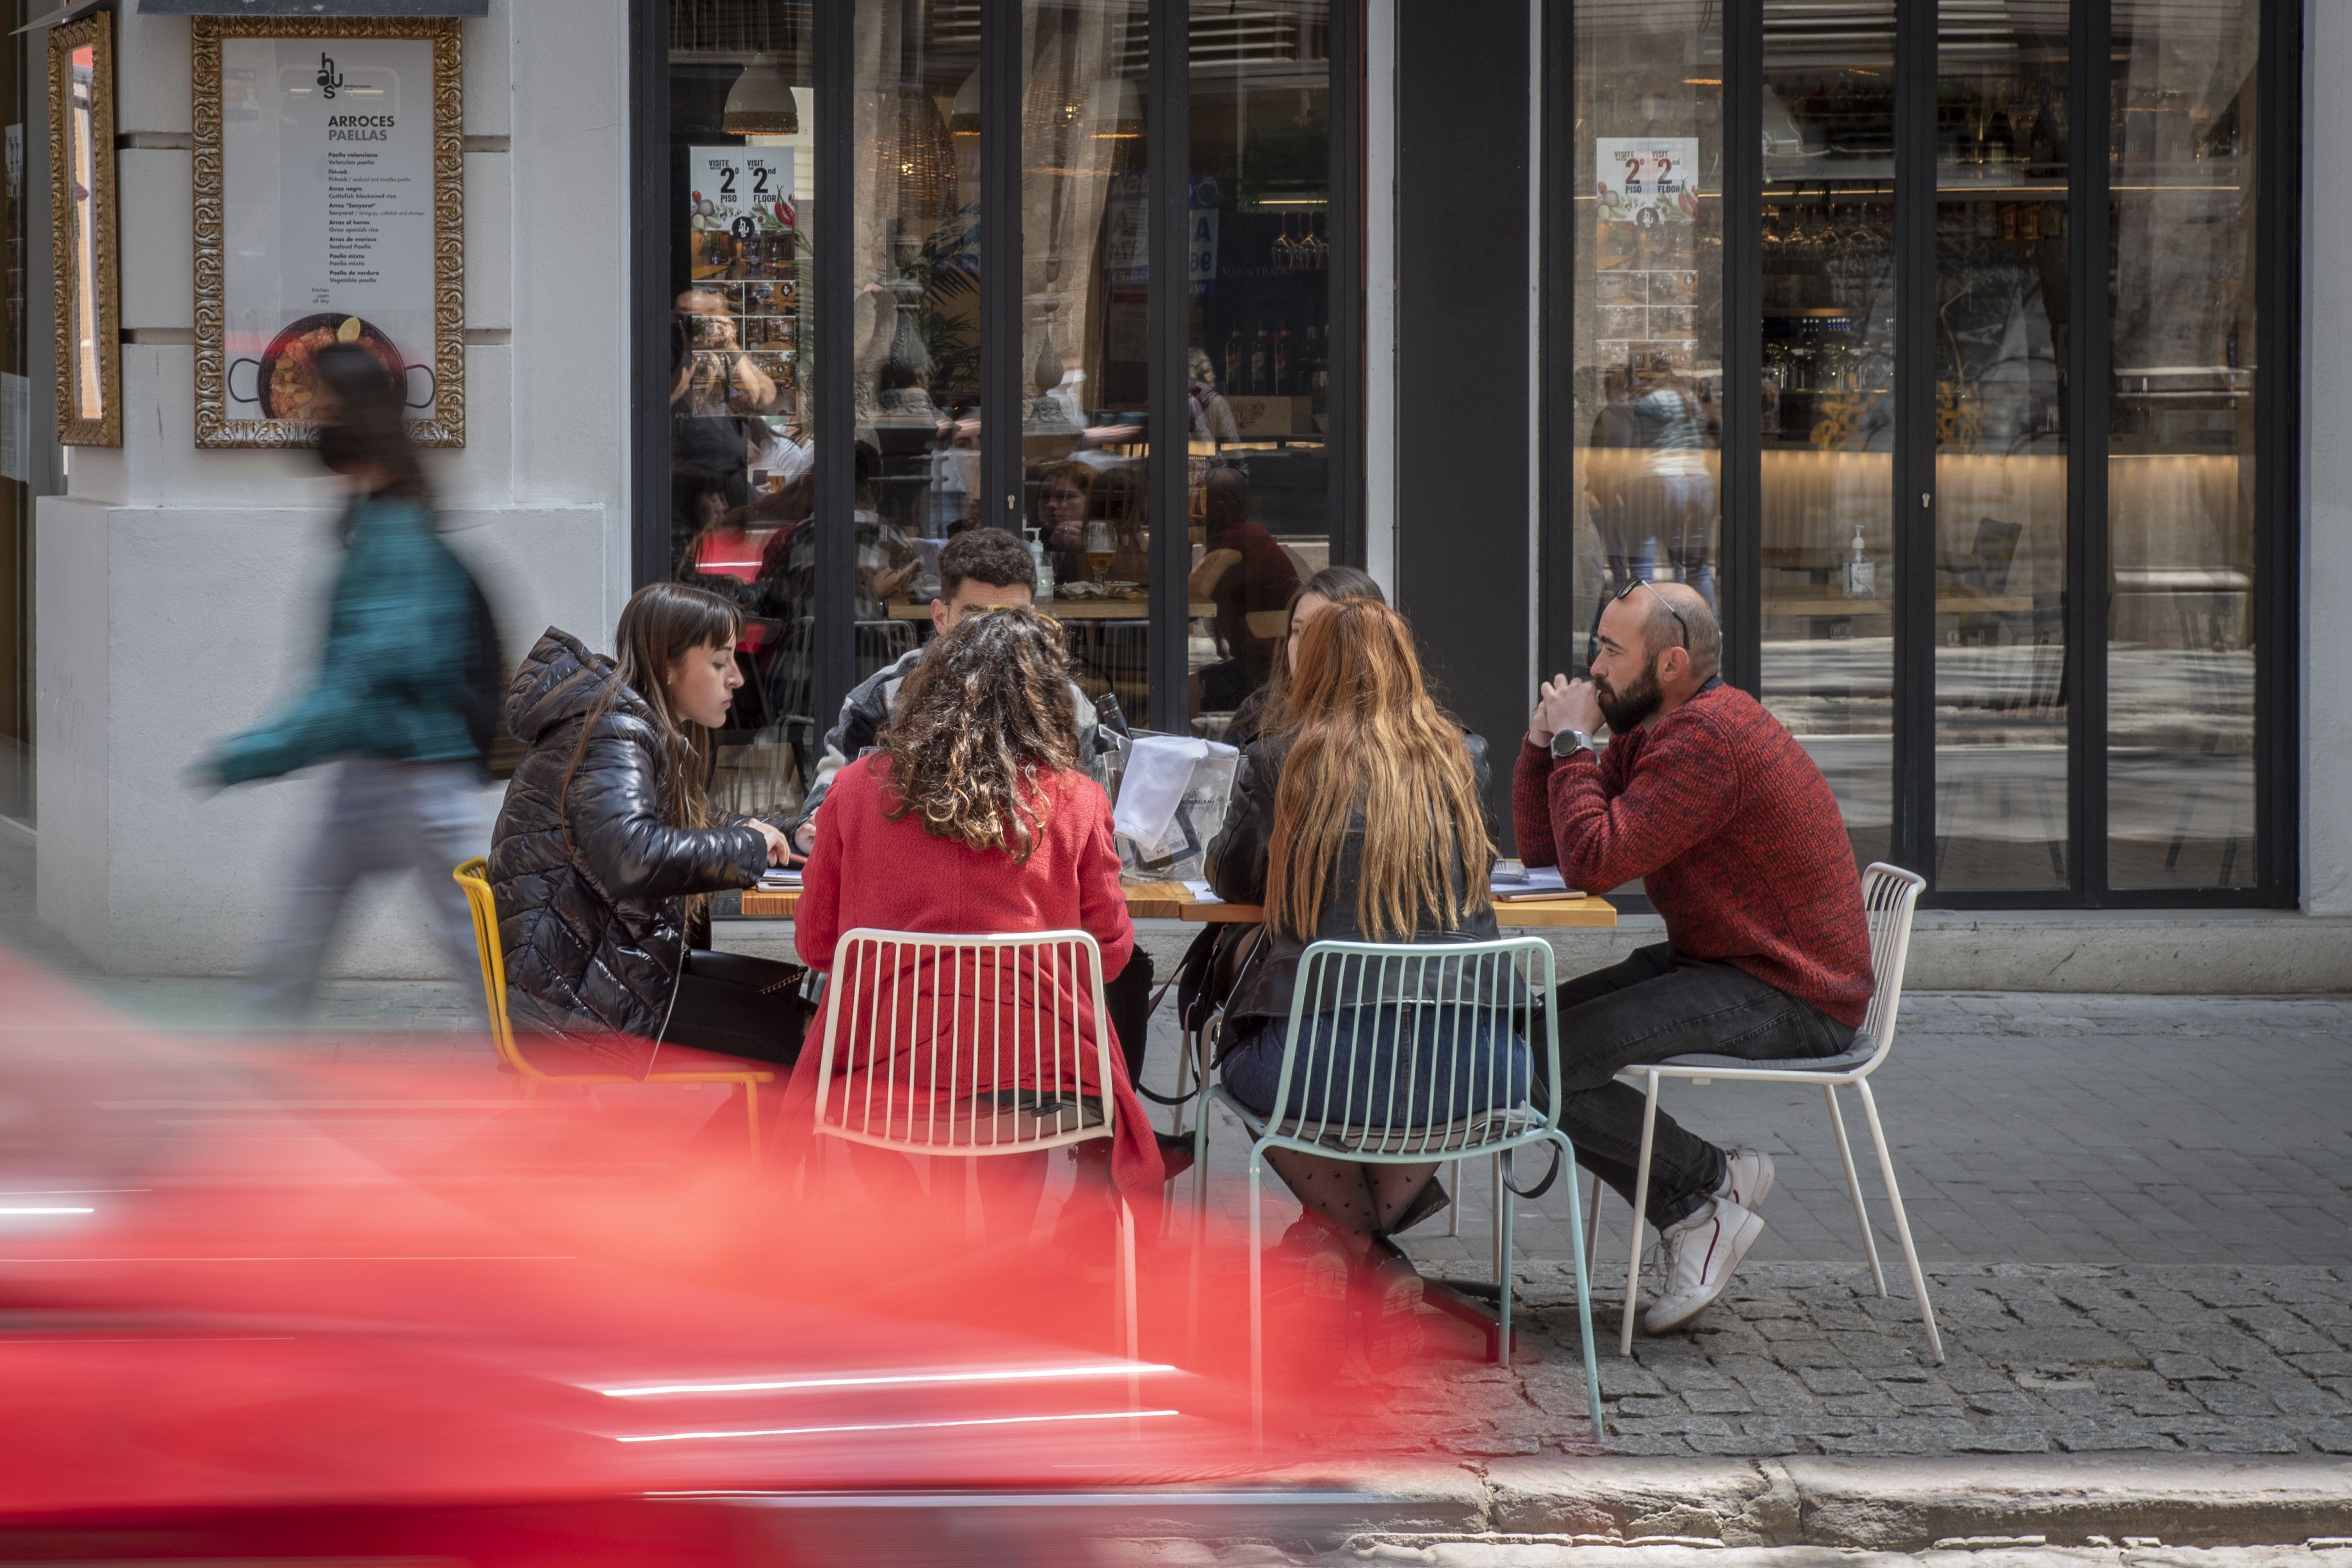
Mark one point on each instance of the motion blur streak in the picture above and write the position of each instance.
(902, 1425)
(1010, 1374)
(385, 1310)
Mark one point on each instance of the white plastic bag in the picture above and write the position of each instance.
(1171, 803)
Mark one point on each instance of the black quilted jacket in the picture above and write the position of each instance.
(592, 902)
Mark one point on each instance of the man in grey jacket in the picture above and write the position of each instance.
(986, 569)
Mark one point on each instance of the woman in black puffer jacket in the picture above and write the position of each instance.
(606, 848)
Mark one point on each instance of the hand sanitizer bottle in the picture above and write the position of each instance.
(1045, 563)
(1861, 572)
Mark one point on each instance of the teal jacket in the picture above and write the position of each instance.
(392, 676)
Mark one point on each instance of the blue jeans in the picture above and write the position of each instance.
(1343, 1073)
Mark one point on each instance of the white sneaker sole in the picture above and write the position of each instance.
(1671, 1312)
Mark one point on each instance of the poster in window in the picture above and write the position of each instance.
(1645, 243)
(330, 205)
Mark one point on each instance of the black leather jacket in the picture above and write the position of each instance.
(1237, 868)
(591, 899)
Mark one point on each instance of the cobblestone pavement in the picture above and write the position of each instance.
(1806, 1359)
(1600, 1553)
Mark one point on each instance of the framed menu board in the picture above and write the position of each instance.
(81, 195)
(329, 208)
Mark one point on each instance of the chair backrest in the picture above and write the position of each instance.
(473, 877)
(1889, 894)
(968, 1044)
(1416, 1089)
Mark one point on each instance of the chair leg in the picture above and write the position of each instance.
(1503, 1271)
(1854, 1186)
(1590, 1245)
(1185, 1045)
(1200, 1231)
(1902, 1220)
(1129, 1326)
(1641, 1214)
(1494, 1197)
(1580, 1249)
(1257, 1306)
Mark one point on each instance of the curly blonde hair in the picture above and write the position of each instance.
(983, 719)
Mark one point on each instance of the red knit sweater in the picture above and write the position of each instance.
(869, 871)
(1734, 835)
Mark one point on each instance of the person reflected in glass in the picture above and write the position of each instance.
(1248, 576)
(1059, 496)
(975, 818)
(1621, 510)
(1212, 417)
(1676, 428)
(716, 390)
(1357, 817)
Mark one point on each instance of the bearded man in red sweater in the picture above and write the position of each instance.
(1736, 838)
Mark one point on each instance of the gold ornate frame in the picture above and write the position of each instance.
(97, 31)
(215, 427)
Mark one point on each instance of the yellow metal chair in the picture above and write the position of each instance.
(472, 878)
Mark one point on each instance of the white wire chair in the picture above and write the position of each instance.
(1889, 895)
(970, 1047)
(1432, 1111)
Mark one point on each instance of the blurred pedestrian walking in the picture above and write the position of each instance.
(396, 700)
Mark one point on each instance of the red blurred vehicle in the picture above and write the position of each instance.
(260, 1303)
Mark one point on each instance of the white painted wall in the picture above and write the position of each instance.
(179, 592)
(2327, 462)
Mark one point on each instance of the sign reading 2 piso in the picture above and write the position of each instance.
(329, 206)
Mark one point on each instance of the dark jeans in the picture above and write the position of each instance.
(1128, 997)
(1654, 1006)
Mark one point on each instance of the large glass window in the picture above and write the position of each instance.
(1261, 207)
(2001, 214)
(1086, 181)
(1648, 240)
(741, 451)
(2180, 484)
(1827, 435)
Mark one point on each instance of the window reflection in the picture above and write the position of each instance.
(1828, 402)
(1086, 183)
(2000, 559)
(2180, 649)
(742, 453)
(1257, 380)
(1649, 293)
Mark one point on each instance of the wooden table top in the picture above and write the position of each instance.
(1174, 900)
(1065, 610)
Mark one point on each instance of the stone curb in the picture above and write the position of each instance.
(1899, 1505)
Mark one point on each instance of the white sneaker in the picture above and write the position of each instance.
(1698, 1257)
(1746, 1177)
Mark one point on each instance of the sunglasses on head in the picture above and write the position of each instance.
(1668, 605)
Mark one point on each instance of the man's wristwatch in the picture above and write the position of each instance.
(1567, 742)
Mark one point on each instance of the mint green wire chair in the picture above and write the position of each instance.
(1483, 990)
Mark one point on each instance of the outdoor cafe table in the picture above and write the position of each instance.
(1174, 900)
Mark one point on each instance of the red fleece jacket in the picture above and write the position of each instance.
(1733, 833)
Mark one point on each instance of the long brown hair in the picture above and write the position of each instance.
(1367, 741)
(661, 623)
(984, 717)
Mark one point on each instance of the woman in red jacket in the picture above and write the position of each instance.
(972, 819)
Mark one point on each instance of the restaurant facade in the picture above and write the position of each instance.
(1971, 358)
